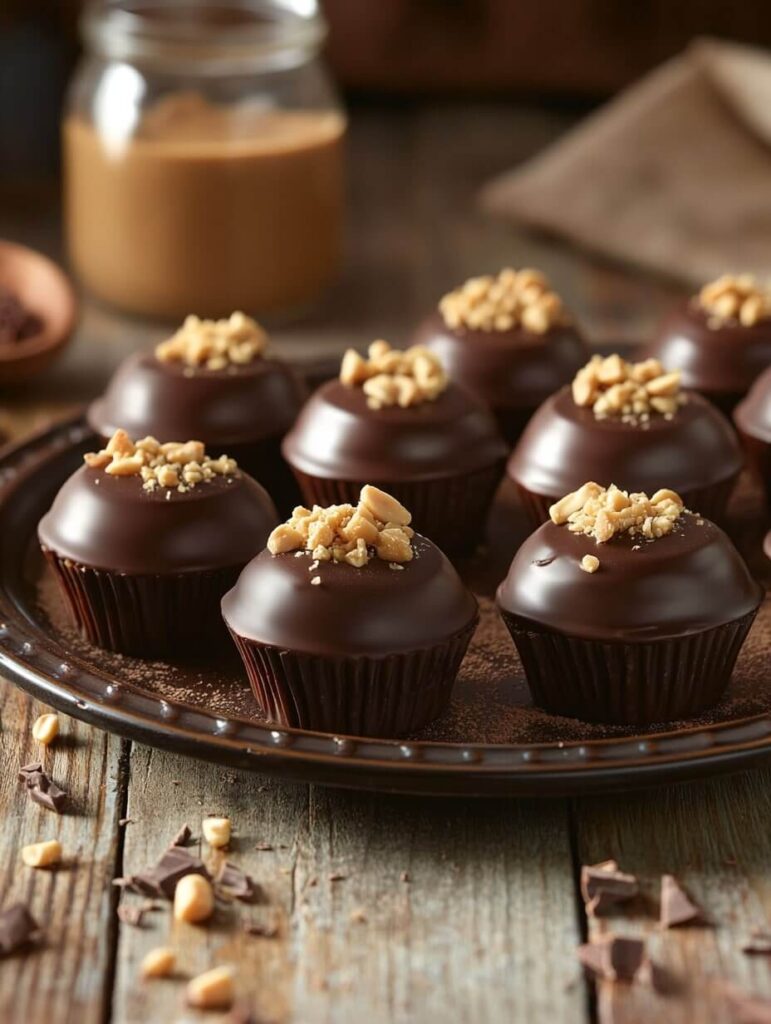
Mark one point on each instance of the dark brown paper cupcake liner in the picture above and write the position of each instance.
(146, 616)
(451, 511)
(627, 683)
(710, 502)
(391, 696)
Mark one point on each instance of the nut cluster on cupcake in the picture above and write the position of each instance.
(214, 380)
(626, 422)
(378, 527)
(333, 638)
(720, 338)
(395, 419)
(147, 536)
(509, 337)
(627, 608)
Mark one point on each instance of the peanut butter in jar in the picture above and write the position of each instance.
(225, 195)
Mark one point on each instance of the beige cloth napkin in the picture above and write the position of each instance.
(673, 175)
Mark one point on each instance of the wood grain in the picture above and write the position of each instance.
(714, 838)
(452, 910)
(67, 979)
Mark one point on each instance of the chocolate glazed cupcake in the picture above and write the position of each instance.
(628, 423)
(145, 539)
(349, 622)
(753, 421)
(626, 609)
(509, 340)
(720, 339)
(396, 420)
(212, 380)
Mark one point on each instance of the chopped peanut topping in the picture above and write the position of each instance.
(590, 563)
(511, 299)
(214, 344)
(735, 298)
(379, 526)
(601, 513)
(392, 377)
(632, 392)
(174, 465)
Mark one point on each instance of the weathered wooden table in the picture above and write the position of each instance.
(447, 910)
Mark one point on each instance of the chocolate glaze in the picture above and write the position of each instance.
(683, 583)
(721, 362)
(370, 611)
(564, 445)
(219, 407)
(513, 369)
(109, 522)
(337, 436)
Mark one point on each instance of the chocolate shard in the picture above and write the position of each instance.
(613, 957)
(17, 928)
(676, 907)
(41, 788)
(603, 886)
(237, 883)
(131, 914)
(182, 838)
(175, 863)
(758, 942)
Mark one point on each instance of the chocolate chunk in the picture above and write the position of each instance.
(676, 907)
(182, 838)
(175, 863)
(237, 883)
(613, 957)
(41, 788)
(17, 928)
(16, 322)
(758, 942)
(603, 886)
(337, 876)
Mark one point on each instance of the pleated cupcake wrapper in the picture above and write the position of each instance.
(146, 615)
(710, 502)
(451, 511)
(357, 695)
(627, 684)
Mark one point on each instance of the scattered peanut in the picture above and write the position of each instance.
(42, 855)
(46, 728)
(590, 563)
(216, 831)
(212, 990)
(193, 899)
(158, 963)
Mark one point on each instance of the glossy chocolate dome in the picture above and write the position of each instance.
(338, 436)
(371, 611)
(565, 444)
(237, 405)
(509, 370)
(722, 362)
(753, 415)
(685, 582)
(112, 523)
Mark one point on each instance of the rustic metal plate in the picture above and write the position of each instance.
(491, 742)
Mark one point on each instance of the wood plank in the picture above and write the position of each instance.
(714, 838)
(484, 928)
(67, 978)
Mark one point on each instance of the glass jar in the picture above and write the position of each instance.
(203, 157)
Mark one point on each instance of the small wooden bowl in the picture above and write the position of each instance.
(45, 290)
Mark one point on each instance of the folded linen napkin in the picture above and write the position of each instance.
(673, 175)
